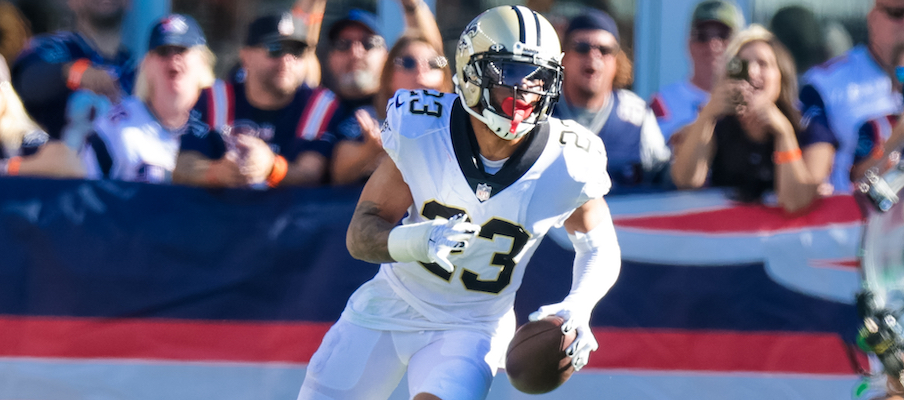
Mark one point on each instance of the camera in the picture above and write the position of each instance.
(737, 69)
(880, 334)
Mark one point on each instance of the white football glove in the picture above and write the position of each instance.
(455, 234)
(432, 241)
(584, 342)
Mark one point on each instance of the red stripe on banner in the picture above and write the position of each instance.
(752, 218)
(159, 339)
(809, 353)
(295, 342)
(842, 264)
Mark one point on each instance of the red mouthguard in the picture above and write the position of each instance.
(517, 109)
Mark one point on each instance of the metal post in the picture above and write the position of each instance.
(137, 25)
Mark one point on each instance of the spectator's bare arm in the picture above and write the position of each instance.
(54, 159)
(353, 160)
(894, 143)
(193, 169)
(797, 180)
(418, 17)
(95, 80)
(694, 154)
(308, 169)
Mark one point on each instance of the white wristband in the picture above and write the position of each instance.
(408, 243)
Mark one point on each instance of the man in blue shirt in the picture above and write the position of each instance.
(593, 96)
(92, 57)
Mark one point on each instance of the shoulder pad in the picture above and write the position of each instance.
(419, 109)
(583, 154)
(631, 108)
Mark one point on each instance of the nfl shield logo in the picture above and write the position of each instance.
(483, 191)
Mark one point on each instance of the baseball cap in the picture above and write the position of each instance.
(723, 12)
(176, 30)
(593, 18)
(355, 17)
(271, 29)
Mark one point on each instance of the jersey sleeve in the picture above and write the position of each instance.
(586, 160)
(390, 127)
(814, 123)
(413, 113)
(654, 153)
(200, 138)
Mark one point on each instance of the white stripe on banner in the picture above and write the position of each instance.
(149, 380)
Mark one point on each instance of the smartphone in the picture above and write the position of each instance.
(737, 69)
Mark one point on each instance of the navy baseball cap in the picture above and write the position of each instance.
(176, 30)
(272, 29)
(355, 17)
(593, 18)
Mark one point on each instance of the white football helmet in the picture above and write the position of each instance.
(513, 47)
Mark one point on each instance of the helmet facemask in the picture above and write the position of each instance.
(524, 77)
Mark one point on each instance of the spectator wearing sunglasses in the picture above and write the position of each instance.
(356, 58)
(713, 23)
(839, 95)
(272, 128)
(359, 64)
(413, 63)
(747, 137)
(138, 140)
(597, 71)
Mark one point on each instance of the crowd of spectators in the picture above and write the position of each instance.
(738, 121)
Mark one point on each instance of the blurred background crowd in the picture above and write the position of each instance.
(780, 102)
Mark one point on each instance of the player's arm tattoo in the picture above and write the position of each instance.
(368, 234)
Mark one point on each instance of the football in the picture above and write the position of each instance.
(535, 361)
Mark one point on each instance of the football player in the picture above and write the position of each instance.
(482, 176)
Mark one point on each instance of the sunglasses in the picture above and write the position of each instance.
(167, 51)
(585, 48)
(893, 12)
(369, 43)
(279, 49)
(704, 36)
(410, 63)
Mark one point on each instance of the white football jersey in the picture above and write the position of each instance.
(131, 145)
(428, 135)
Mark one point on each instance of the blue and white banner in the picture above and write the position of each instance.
(113, 290)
